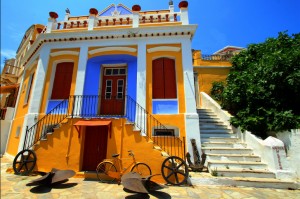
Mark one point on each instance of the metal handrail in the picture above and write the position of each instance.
(225, 57)
(89, 106)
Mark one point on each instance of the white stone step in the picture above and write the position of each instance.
(219, 164)
(233, 157)
(208, 131)
(245, 173)
(225, 144)
(218, 135)
(210, 120)
(219, 139)
(213, 126)
(213, 150)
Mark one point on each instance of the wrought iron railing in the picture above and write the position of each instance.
(46, 124)
(96, 106)
(225, 57)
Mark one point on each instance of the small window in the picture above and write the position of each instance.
(120, 89)
(28, 91)
(122, 71)
(18, 131)
(164, 132)
(108, 89)
(115, 71)
(108, 71)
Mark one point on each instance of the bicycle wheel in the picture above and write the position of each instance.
(142, 169)
(102, 171)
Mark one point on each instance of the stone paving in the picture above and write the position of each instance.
(13, 186)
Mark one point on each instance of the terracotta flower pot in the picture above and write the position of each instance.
(183, 4)
(53, 15)
(93, 11)
(136, 8)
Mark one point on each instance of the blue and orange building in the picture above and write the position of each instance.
(104, 83)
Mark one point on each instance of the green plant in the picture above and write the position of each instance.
(227, 167)
(214, 172)
(263, 87)
(216, 91)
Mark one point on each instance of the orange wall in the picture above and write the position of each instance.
(21, 111)
(64, 148)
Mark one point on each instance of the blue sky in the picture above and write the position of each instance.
(220, 22)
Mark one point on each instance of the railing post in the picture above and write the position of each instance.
(183, 5)
(135, 16)
(183, 140)
(25, 140)
(73, 106)
(52, 22)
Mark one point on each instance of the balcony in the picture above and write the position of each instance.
(225, 57)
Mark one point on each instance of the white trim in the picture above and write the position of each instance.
(214, 67)
(67, 52)
(163, 48)
(116, 48)
(115, 65)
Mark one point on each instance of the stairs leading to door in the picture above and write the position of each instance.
(228, 157)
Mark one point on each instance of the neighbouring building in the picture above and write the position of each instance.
(211, 68)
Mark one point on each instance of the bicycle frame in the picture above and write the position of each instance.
(120, 168)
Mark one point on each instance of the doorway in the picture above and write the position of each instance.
(113, 91)
(95, 146)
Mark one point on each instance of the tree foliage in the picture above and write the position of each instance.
(263, 86)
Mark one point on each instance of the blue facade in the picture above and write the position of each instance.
(93, 77)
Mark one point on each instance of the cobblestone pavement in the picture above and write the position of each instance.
(13, 186)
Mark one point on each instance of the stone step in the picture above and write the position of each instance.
(219, 139)
(208, 131)
(210, 120)
(245, 173)
(233, 157)
(219, 164)
(225, 144)
(213, 150)
(218, 135)
(204, 110)
(212, 126)
(213, 117)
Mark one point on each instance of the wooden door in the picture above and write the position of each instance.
(113, 91)
(95, 147)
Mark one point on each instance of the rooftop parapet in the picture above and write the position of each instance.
(136, 18)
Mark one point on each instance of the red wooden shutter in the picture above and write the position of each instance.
(62, 81)
(170, 78)
(158, 79)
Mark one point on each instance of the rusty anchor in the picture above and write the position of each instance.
(134, 182)
(198, 164)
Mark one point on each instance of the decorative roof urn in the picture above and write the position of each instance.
(93, 11)
(136, 8)
(183, 4)
(53, 15)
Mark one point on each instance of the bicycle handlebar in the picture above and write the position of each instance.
(130, 153)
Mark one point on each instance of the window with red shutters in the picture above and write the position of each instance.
(164, 79)
(62, 80)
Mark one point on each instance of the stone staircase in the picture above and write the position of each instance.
(228, 157)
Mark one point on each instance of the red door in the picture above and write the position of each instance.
(95, 147)
(113, 91)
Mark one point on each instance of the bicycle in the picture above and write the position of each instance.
(111, 169)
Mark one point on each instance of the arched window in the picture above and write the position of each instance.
(62, 80)
(164, 79)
